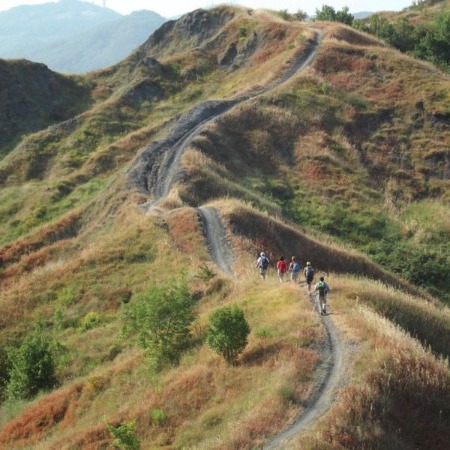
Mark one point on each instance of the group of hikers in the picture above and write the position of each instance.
(294, 268)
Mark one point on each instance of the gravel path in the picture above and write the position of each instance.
(216, 239)
(157, 169)
(330, 376)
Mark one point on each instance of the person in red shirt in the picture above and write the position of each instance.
(281, 266)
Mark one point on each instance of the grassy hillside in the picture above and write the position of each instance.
(33, 97)
(344, 165)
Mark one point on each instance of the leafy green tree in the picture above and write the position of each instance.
(429, 41)
(300, 15)
(32, 366)
(162, 318)
(344, 16)
(124, 436)
(227, 332)
(434, 45)
(403, 35)
(328, 13)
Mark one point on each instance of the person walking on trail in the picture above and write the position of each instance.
(322, 288)
(263, 263)
(281, 266)
(294, 268)
(309, 275)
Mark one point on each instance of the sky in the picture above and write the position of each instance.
(172, 8)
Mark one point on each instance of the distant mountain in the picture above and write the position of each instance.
(73, 36)
(362, 15)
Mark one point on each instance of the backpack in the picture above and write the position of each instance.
(264, 263)
(296, 267)
(322, 288)
(309, 271)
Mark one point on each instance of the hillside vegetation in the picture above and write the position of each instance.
(345, 164)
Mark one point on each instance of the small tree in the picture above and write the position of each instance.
(33, 367)
(227, 332)
(300, 15)
(328, 13)
(124, 436)
(162, 318)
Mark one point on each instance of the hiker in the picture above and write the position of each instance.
(281, 266)
(309, 275)
(294, 268)
(322, 288)
(263, 263)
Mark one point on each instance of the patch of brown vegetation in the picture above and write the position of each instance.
(184, 226)
(402, 399)
(351, 36)
(31, 425)
(33, 260)
(66, 227)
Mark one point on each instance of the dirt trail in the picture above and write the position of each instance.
(155, 172)
(157, 168)
(216, 239)
(330, 376)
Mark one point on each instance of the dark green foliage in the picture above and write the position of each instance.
(434, 46)
(300, 15)
(426, 267)
(162, 317)
(429, 41)
(205, 273)
(32, 366)
(227, 332)
(328, 13)
(124, 436)
(286, 15)
(376, 234)
(5, 367)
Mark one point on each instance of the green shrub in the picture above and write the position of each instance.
(205, 273)
(33, 367)
(161, 317)
(5, 366)
(91, 320)
(124, 434)
(227, 332)
(158, 416)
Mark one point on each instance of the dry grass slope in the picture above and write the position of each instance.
(363, 127)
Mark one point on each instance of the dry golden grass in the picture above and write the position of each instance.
(286, 135)
(398, 395)
(65, 227)
(208, 403)
(269, 234)
(427, 321)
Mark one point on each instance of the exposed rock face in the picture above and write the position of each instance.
(189, 31)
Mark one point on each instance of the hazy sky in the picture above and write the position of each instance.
(170, 8)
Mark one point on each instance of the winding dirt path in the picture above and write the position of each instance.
(157, 168)
(216, 239)
(155, 172)
(330, 376)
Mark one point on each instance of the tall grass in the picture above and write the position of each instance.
(400, 397)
